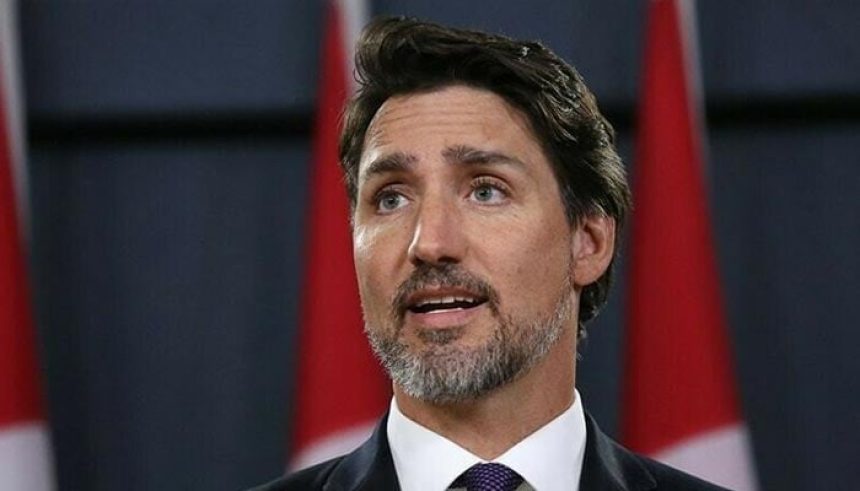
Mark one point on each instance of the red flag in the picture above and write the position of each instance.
(680, 398)
(25, 462)
(341, 389)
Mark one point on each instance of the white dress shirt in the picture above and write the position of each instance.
(550, 459)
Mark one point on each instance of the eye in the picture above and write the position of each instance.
(488, 191)
(389, 201)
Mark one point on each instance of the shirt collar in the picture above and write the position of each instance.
(550, 459)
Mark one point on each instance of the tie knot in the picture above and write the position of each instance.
(488, 477)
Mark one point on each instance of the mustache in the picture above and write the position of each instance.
(445, 275)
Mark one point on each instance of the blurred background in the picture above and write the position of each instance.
(169, 147)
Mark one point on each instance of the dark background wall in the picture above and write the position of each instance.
(169, 154)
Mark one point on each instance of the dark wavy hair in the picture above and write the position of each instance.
(396, 56)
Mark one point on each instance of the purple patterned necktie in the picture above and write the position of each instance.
(488, 477)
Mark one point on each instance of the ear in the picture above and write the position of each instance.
(593, 246)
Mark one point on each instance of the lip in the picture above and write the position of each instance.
(431, 293)
(442, 319)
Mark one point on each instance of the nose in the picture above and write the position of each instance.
(438, 236)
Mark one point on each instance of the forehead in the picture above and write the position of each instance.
(428, 122)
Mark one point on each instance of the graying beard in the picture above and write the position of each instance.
(446, 374)
(441, 337)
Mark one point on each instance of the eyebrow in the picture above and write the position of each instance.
(458, 154)
(395, 162)
(464, 154)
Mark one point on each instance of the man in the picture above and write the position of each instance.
(487, 197)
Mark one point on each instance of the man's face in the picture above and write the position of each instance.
(462, 247)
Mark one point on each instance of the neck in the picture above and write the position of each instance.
(493, 423)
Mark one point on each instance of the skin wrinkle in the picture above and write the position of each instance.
(376, 138)
(484, 378)
(444, 275)
(454, 364)
(457, 374)
(457, 154)
(396, 162)
(444, 374)
(551, 96)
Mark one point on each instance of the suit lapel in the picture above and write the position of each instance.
(608, 466)
(368, 468)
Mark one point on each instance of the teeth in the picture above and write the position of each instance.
(450, 299)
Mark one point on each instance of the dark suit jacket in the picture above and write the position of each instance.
(607, 466)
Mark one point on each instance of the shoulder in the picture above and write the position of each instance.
(368, 467)
(669, 478)
(305, 480)
(608, 465)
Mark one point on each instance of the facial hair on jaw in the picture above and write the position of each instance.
(442, 372)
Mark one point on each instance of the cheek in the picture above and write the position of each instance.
(376, 259)
(554, 257)
(539, 258)
(366, 256)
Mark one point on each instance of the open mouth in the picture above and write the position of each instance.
(448, 303)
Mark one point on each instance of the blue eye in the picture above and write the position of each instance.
(389, 201)
(487, 193)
